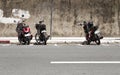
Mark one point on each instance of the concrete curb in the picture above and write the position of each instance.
(4, 41)
(60, 40)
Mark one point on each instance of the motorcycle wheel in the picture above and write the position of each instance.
(45, 40)
(37, 38)
(20, 41)
(88, 42)
(45, 43)
(27, 42)
(97, 41)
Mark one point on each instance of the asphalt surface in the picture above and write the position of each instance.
(36, 60)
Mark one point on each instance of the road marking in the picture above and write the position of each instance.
(105, 44)
(80, 45)
(55, 45)
(85, 62)
(31, 45)
(5, 44)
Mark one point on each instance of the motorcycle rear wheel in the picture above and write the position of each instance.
(27, 42)
(88, 42)
(37, 38)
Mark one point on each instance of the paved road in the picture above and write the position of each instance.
(35, 60)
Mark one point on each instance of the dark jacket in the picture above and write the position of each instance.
(19, 27)
(90, 26)
(85, 27)
(40, 27)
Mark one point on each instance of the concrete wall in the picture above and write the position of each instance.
(67, 14)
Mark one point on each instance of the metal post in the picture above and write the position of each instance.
(51, 15)
(91, 13)
(118, 17)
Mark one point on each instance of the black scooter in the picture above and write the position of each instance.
(41, 38)
(94, 37)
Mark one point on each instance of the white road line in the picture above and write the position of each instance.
(85, 62)
(105, 44)
(80, 45)
(31, 45)
(55, 45)
(5, 44)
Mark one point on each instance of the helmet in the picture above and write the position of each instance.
(84, 22)
(25, 25)
(41, 21)
(91, 22)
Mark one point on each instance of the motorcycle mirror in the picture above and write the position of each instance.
(80, 24)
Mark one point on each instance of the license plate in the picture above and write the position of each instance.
(28, 34)
(43, 31)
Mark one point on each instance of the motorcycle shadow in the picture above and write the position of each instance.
(86, 43)
(22, 44)
(38, 43)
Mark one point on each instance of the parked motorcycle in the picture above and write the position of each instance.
(26, 36)
(94, 37)
(41, 38)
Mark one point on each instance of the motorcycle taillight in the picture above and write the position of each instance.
(27, 29)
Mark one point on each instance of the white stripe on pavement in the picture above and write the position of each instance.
(5, 44)
(85, 62)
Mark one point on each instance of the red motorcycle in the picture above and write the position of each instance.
(26, 36)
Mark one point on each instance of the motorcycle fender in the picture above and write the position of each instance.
(43, 31)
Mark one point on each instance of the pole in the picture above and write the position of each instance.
(91, 12)
(51, 15)
(118, 17)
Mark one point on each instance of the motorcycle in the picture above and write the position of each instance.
(26, 36)
(94, 37)
(41, 38)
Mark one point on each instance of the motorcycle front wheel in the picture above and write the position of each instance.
(97, 41)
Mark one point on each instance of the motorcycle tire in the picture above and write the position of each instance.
(37, 38)
(88, 42)
(20, 41)
(45, 39)
(45, 43)
(27, 42)
(97, 41)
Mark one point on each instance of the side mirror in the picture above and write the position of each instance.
(80, 24)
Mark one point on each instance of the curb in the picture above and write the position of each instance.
(60, 40)
(4, 41)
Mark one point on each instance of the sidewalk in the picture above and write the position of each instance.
(61, 40)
